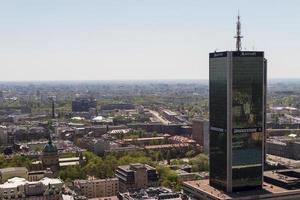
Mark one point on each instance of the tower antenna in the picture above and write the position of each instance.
(238, 34)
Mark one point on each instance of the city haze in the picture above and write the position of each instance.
(113, 40)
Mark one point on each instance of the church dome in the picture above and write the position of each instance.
(50, 148)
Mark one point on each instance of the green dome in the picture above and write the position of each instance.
(50, 148)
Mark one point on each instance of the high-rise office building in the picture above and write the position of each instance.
(237, 85)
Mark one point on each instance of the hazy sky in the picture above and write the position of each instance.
(141, 39)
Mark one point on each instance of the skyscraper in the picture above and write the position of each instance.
(237, 85)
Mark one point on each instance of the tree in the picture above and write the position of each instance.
(15, 161)
(190, 153)
(168, 178)
(199, 163)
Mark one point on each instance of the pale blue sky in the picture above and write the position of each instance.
(141, 39)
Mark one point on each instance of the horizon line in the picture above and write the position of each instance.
(126, 80)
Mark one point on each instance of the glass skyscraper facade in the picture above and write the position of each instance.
(237, 84)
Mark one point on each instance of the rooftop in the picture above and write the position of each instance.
(16, 181)
(286, 178)
(151, 194)
(70, 159)
(144, 139)
(133, 166)
(106, 198)
(162, 146)
(72, 163)
(83, 181)
(13, 182)
(12, 169)
(269, 191)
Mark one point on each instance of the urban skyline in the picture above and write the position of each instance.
(112, 100)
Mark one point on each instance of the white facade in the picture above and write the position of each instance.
(20, 188)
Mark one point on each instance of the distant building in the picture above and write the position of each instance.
(3, 136)
(174, 129)
(186, 176)
(102, 120)
(10, 172)
(284, 147)
(93, 188)
(14, 110)
(200, 133)
(144, 141)
(40, 174)
(118, 106)
(136, 176)
(50, 158)
(177, 139)
(72, 161)
(23, 133)
(83, 104)
(284, 110)
(179, 146)
(168, 115)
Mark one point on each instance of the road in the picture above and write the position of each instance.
(160, 118)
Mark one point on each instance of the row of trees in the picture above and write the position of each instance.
(104, 167)
(14, 161)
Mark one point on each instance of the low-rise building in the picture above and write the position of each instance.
(93, 188)
(153, 193)
(39, 174)
(10, 172)
(143, 141)
(287, 147)
(20, 188)
(136, 176)
(186, 176)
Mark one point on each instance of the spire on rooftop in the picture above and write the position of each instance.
(238, 34)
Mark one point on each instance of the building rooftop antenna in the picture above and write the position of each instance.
(238, 34)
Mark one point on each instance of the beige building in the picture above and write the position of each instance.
(10, 172)
(3, 136)
(38, 175)
(136, 175)
(93, 188)
(200, 133)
